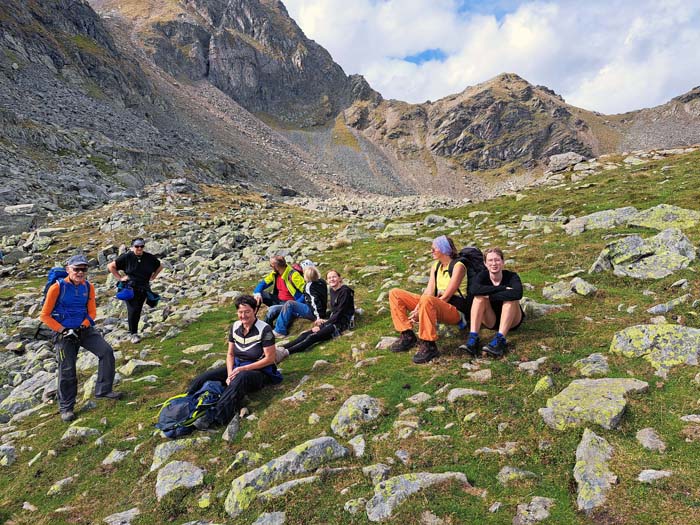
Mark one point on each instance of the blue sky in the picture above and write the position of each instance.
(610, 56)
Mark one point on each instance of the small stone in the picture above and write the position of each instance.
(358, 445)
(649, 439)
(649, 476)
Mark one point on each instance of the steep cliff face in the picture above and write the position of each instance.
(502, 122)
(250, 49)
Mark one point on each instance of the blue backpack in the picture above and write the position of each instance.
(178, 413)
(57, 273)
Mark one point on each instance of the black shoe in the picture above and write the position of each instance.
(472, 345)
(67, 416)
(110, 395)
(407, 341)
(427, 351)
(496, 348)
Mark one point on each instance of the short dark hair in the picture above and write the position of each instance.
(279, 261)
(247, 300)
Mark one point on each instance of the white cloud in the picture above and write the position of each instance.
(604, 55)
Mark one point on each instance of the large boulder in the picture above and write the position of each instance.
(600, 401)
(666, 216)
(355, 411)
(178, 474)
(301, 459)
(28, 393)
(562, 161)
(591, 471)
(663, 345)
(599, 220)
(392, 492)
(652, 258)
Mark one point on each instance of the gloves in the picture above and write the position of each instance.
(69, 332)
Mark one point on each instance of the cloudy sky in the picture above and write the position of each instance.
(610, 56)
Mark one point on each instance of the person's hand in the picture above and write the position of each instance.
(319, 322)
(124, 278)
(413, 316)
(315, 329)
(258, 298)
(233, 375)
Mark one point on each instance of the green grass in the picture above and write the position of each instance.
(563, 337)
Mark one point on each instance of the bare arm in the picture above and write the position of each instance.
(155, 274)
(268, 359)
(112, 267)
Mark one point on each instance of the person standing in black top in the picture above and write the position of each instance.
(140, 268)
(497, 293)
(341, 318)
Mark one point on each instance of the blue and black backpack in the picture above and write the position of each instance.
(178, 413)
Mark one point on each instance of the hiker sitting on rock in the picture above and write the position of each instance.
(442, 301)
(69, 310)
(287, 285)
(497, 293)
(140, 268)
(315, 301)
(341, 318)
(250, 364)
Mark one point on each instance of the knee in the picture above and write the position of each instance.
(394, 294)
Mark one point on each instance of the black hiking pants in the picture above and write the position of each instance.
(134, 307)
(307, 339)
(232, 399)
(67, 354)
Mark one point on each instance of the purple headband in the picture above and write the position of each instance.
(443, 245)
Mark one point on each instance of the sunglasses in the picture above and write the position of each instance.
(80, 270)
(139, 246)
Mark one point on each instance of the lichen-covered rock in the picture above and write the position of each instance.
(245, 458)
(533, 512)
(115, 456)
(458, 393)
(600, 401)
(391, 493)
(377, 472)
(28, 393)
(8, 455)
(650, 440)
(535, 310)
(281, 489)
(398, 229)
(558, 291)
(663, 346)
(178, 474)
(664, 308)
(122, 518)
(355, 411)
(581, 287)
(591, 471)
(59, 486)
(593, 365)
(358, 445)
(164, 450)
(545, 384)
(650, 475)
(652, 258)
(510, 474)
(356, 505)
(79, 433)
(299, 460)
(540, 222)
(137, 365)
(599, 220)
(665, 216)
(271, 518)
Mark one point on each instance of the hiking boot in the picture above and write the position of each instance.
(427, 351)
(135, 339)
(496, 348)
(67, 416)
(110, 395)
(471, 346)
(407, 341)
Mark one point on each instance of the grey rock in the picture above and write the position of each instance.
(663, 346)
(664, 308)
(535, 511)
(600, 401)
(245, 458)
(137, 365)
(356, 410)
(666, 216)
(271, 518)
(650, 440)
(391, 493)
(299, 460)
(8, 455)
(164, 450)
(232, 428)
(599, 220)
(60, 486)
(458, 393)
(591, 471)
(115, 456)
(28, 393)
(358, 445)
(79, 433)
(282, 489)
(508, 475)
(650, 476)
(535, 310)
(532, 366)
(377, 472)
(562, 161)
(582, 287)
(123, 518)
(558, 291)
(593, 365)
(356, 505)
(178, 474)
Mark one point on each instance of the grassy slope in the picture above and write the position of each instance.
(564, 337)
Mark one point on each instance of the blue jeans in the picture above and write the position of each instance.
(290, 310)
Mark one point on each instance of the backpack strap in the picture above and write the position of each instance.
(450, 268)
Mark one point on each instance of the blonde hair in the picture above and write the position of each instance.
(311, 274)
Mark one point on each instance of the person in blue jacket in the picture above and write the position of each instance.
(286, 283)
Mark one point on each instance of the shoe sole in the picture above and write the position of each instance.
(491, 353)
(426, 360)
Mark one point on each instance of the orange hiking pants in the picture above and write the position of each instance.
(431, 311)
